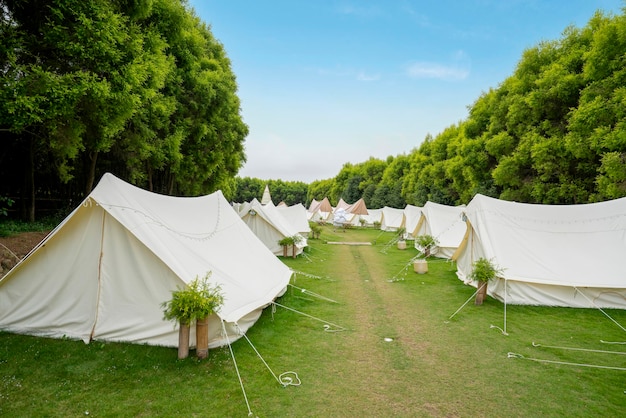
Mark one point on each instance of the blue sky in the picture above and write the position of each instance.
(326, 82)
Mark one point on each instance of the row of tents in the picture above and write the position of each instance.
(105, 270)
(552, 255)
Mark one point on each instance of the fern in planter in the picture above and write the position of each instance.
(426, 243)
(290, 242)
(483, 271)
(195, 302)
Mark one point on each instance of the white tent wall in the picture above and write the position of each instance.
(547, 252)
(412, 215)
(374, 215)
(392, 219)
(266, 222)
(446, 224)
(104, 272)
(47, 296)
(296, 215)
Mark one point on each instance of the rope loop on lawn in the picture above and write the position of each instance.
(286, 379)
(328, 327)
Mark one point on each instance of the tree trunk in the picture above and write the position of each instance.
(91, 172)
(183, 341)
(29, 184)
(293, 250)
(481, 295)
(284, 251)
(202, 338)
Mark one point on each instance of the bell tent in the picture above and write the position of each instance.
(445, 223)
(554, 255)
(105, 270)
(270, 226)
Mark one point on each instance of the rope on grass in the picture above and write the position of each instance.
(313, 294)
(600, 309)
(286, 379)
(232, 354)
(578, 349)
(327, 327)
(466, 302)
(612, 342)
(596, 366)
(310, 276)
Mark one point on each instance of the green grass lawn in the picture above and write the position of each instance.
(396, 352)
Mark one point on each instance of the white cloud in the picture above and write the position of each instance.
(434, 70)
(362, 76)
(457, 70)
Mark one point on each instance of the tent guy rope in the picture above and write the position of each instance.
(327, 327)
(232, 354)
(286, 378)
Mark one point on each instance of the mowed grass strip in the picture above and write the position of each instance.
(434, 366)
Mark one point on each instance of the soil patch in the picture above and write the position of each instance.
(15, 248)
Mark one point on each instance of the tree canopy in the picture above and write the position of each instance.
(143, 89)
(139, 88)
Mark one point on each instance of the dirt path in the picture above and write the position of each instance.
(381, 370)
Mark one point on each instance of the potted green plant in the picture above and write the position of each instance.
(483, 271)
(290, 242)
(316, 230)
(426, 243)
(196, 302)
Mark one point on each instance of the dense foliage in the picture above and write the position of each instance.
(138, 88)
(289, 192)
(143, 89)
(554, 132)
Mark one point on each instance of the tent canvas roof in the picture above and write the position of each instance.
(446, 224)
(267, 197)
(104, 272)
(547, 246)
(391, 219)
(358, 208)
(270, 226)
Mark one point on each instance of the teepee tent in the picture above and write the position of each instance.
(270, 226)
(104, 272)
(446, 224)
(555, 255)
(267, 197)
(320, 211)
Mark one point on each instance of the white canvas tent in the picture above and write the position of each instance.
(373, 216)
(267, 197)
(392, 219)
(267, 223)
(296, 215)
(412, 215)
(446, 224)
(555, 255)
(104, 272)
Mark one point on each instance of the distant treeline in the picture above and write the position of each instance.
(152, 99)
(554, 132)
